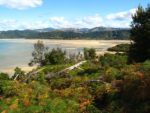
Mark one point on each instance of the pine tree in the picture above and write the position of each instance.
(140, 35)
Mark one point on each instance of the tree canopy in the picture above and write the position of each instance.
(140, 35)
(39, 53)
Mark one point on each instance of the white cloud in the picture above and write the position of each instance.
(85, 22)
(12, 24)
(21, 4)
(56, 22)
(121, 19)
(125, 15)
(60, 22)
(89, 22)
(117, 24)
(34, 25)
(7, 24)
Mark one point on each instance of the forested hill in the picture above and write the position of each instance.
(69, 33)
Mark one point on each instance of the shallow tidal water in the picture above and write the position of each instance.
(17, 52)
(14, 53)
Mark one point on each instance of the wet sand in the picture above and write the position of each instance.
(26, 69)
(68, 43)
(75, 43)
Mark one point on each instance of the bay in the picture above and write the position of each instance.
(17, 52)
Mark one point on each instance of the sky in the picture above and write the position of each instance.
(38, 14)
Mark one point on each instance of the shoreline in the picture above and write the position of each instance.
(10, 71)
(73, 44)
(27, 69)
(76, 43)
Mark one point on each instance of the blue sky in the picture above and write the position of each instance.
(36, 14)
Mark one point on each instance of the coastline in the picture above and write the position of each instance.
(26, 69)
(75, 43)
(72, 44)
(10, 71)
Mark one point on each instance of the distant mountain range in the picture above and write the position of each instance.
(69, 33)
(45, 30)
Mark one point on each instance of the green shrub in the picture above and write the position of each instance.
(4, 76)
(9, 88)
(19, 74)
(146, 66)
(41, 78)
(55, 56)
(110, 60)
(120, 48)
(113, 73)
(61, 83)
(89, 53)
(92, 109)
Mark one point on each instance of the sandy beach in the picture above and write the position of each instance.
(69, 44)
(75, 43)
(26, 69)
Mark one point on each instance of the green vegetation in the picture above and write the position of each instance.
(19, 74)
(104, 84)
(140, 49)
(110, 34)
(120, 48)
(42, 56)
(89, 53)
(94, 33)
(107, 85)
(38, 54)
(55, 56)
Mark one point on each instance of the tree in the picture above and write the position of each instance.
(89, 54)
(39, 53)
(140, 35)
(56, 56)
(4, 76)
(19, 74)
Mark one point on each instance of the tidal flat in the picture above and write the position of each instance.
(17, 52)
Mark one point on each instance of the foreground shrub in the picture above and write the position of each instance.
(120, 48)
(110, 60)
(4, 76)
(9, 88)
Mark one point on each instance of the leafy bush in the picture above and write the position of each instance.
(112, 73)
(9, 88)
(19, 74)
(120, 48)
(146, 66)
(110, 60)
(61, 83)
(107, 86)
(89, 53)
(4, 76)
(55, 56)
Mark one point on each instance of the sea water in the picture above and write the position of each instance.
(13, 53)
(18, 52)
